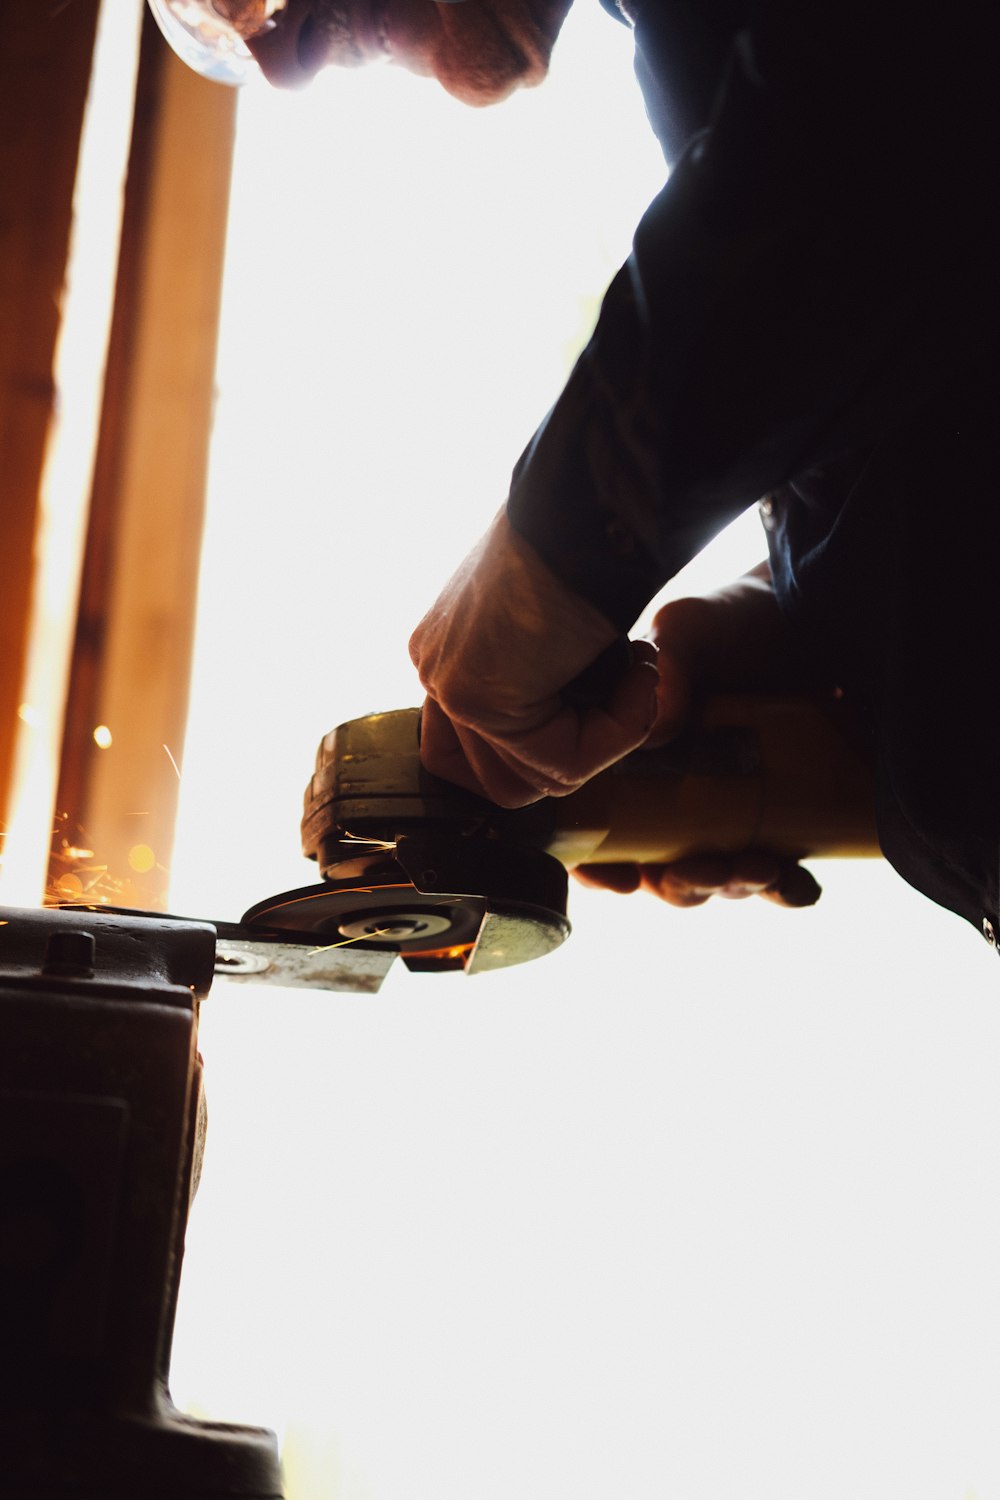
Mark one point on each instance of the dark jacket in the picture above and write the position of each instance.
(810, 314)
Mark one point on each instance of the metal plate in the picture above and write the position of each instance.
(309, 966)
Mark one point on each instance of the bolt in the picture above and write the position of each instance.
(236, 962)
(70, 952)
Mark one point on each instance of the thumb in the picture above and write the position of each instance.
(673, 699)
(633, 704)
(605, 734)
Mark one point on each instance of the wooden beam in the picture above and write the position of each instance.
(45, 68)
(137, 606)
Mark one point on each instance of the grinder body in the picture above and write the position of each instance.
(779, 773)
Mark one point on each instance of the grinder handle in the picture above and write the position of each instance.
(785, 773)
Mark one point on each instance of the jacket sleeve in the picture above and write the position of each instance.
(803, 279)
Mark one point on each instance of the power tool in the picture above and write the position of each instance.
(414, 866)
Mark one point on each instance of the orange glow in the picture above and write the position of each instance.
(141, 858)
(460, 952)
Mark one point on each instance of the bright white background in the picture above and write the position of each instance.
(706, 1205)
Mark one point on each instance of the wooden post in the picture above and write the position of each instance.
(45, 71)
(136, 618)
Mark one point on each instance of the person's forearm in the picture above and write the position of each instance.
(777, 311)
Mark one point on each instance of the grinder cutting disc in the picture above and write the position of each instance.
(376, 906)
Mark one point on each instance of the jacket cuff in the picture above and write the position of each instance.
(560, 502)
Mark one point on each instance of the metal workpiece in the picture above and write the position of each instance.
(175, 959)
(101, 1125)
(299, 961)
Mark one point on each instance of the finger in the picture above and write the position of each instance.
(633, 704)
(694, 880)
(623, 879)
(440, 749)
(645, 651)
(795, 887)
(673, 699)
(495, 774)
(674, 887)
(710, 874)
(558, 756)
(462, 757)
(751, 873)
(573, 746)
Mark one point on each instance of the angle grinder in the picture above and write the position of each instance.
(415, 866)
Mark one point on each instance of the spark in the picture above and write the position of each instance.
(361, 938)
(173, 762)
(69, 852)
(102, 737)
(359, 838)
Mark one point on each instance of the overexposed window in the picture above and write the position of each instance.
(703, 1204)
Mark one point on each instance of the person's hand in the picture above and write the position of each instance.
(479, 50)
(501, 642)
(734, 640)
(693, 881)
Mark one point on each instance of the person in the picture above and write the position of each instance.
(807, 321)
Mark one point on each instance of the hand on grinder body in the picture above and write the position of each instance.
(503, 640)
(734, 640)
